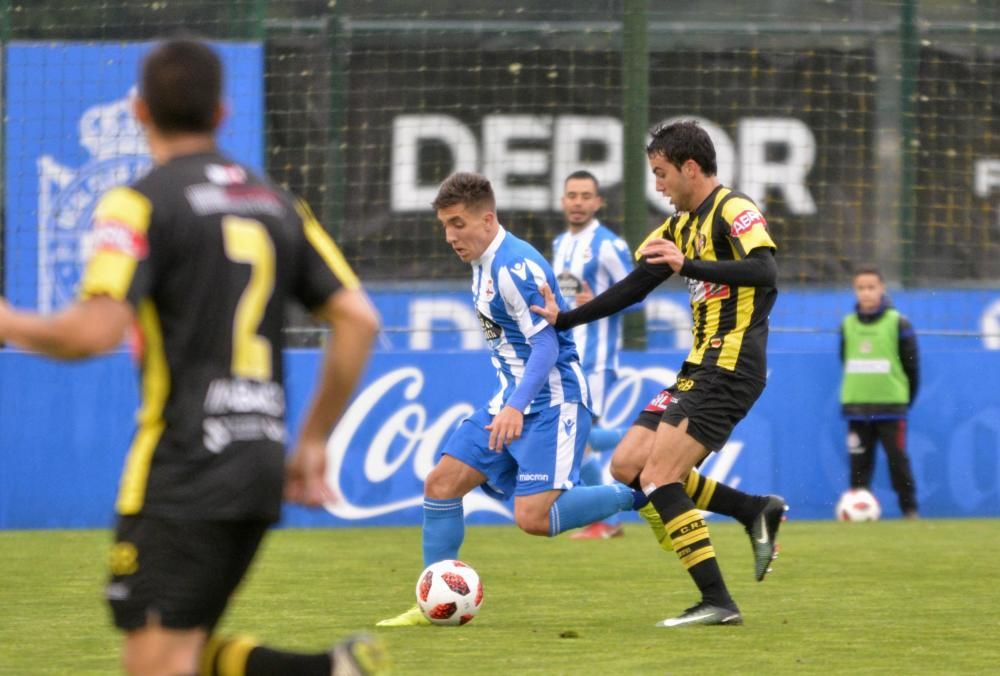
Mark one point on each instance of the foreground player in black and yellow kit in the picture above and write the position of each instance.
(203, 256)
(719, 242)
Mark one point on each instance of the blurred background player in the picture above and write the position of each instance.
(527, 441)
(718, 241)
(588, 258)
(881, 375)
(204, 256)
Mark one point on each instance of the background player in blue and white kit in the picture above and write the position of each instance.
(526, 443)
(588, 257)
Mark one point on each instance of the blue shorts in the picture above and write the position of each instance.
(546, 457)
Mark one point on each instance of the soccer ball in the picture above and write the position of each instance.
(449, 592)
(857, 504)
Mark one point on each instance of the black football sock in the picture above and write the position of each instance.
(689, 536)
(712, 496)
(242, 656)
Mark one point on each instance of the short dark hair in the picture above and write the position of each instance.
(868, 269)
(584, 174)
(682, 141)
(182, 86)
(466, 188)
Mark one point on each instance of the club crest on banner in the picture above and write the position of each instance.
(69, 139)
(67, 195)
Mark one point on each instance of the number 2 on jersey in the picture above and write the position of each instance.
(247, 241)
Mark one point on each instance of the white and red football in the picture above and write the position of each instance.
(449, 592)
(857, 504)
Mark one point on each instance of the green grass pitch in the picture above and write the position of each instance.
(893, 597)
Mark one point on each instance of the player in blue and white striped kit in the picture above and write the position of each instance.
(528, 440)
(588, 257)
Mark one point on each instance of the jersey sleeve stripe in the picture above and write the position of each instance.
(127, 206)
(757, 236)
(327, 249)
(110, 270)
(108, 273)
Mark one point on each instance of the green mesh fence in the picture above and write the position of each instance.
(866, 130)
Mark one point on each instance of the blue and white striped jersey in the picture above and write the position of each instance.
(505, 282)
(598, 256)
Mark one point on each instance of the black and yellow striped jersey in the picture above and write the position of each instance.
(208, 255)
(729, 323)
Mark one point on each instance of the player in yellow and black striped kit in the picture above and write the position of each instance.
(718, 241)
(203, 256)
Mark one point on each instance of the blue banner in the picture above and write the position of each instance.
(70, 136)
(64, 431)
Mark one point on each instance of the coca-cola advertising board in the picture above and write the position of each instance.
(65, 430)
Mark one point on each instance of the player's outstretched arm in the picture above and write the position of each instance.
(627, 292)
(354, 325)
(757, 269)
(83, 329)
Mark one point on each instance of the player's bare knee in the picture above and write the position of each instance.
(632, 454)
(532, 519)
(440, 485)
(533, 525)
(662, 469)
(623, 469)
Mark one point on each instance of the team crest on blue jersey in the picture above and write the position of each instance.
(491, 330)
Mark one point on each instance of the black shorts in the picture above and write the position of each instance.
(713, 400)
(181, 572)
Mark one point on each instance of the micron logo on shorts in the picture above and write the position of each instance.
(532, 477)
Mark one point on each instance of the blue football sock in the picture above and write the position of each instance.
(592, 474)
(592, 471)
(605, 438)
(444, 529)
(584, 505)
